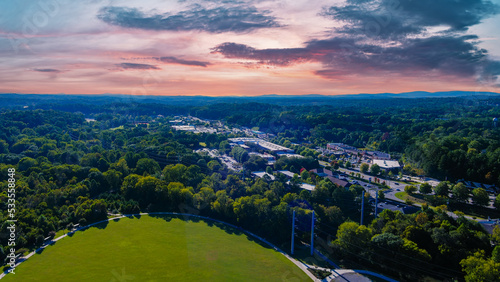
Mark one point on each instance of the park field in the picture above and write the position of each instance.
(158, 248)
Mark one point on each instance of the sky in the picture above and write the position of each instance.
(247, 48)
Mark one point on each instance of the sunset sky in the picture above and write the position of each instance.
(287, 47)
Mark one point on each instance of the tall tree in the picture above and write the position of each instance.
(442, 189)
(460, 192)
(480, 197)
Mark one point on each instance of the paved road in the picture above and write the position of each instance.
(395, 187)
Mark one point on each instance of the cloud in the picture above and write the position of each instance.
(137, 66)
(448, 55)
(385, 37)
(399, 18)
(47, 70)
(275, 57)
(235, 18)
(174, 60)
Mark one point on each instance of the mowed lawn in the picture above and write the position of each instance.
(158, 249)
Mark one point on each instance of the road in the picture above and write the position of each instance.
(394, 186)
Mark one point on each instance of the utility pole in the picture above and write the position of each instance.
(376, 203)
(312, 235)
(362, 205)
(293, 229)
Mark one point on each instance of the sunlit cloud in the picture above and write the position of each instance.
(244, 47)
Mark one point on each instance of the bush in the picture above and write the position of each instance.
(410, 189)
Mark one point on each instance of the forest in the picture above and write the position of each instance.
(70, 171)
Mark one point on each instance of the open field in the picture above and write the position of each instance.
(158, 248)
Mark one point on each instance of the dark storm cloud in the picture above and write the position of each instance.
(174, 60)
(239, 18)
(47, 70)
(137, 66)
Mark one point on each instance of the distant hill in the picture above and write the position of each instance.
(37, 100)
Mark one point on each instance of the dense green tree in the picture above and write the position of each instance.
(410, 189)
(4, 148)
(175, 173)
(255, 163)
(478, 268)
(425, 188)
(442, 189)
(497, 202)
(364, 167)
(460, 192)
(224, 147)
(223, 204)
(480, 197)
(146, 165)
(113, 178)
(239, 154)
(26, 163)
(381, 195)
(353, 237)
(214, 165)
(495, 236)
(375, 169)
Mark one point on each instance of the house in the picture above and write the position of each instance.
(322, 172)
(305, 186)
(261, 174)
(288, 173)
(475, 185)
(339, 182)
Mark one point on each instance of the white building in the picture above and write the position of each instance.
(387, 164)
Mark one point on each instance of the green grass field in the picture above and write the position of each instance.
(155, 248)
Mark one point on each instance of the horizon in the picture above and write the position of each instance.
(438, 94)
(215, 48)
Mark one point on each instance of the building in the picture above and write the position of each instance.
(339, 182)
(275, 148)
(268, 157)
(475, 185)
(322, 172)
(261, 174)
(290, 155)
(288, 173)
(342, 148)
(184, 127)
(306, 186)
(387, 165)
(376, 155)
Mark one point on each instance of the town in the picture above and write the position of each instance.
(384, 169)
